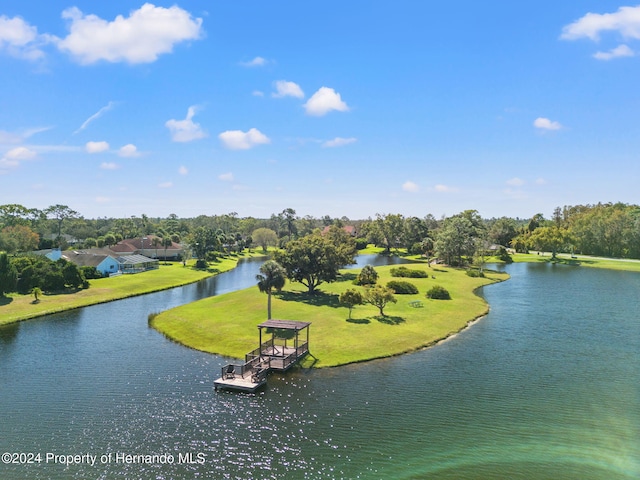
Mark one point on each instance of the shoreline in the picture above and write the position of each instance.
(70, 301)
(203, 325)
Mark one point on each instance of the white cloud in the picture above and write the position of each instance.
(515, 182)
(183, 170)
(96, 147)
(339, 142)
(409, 186)
(109, 166)
(95, 116)
(323, 101)
(21, 40)
(129, 150)
(11, 160)
(239, 140)
(140, 38)
(546, 124)
(256, 62)
(257, 93)
(541, 181)
(625, 21)
(20, 153)
(103, 199)
(226, 177)
(287, 89)
(185, 130)
(444, 189)
(619, 51)
(165, 185)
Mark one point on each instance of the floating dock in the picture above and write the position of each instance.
(284, 349)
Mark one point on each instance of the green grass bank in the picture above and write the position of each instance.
(227, 324)
(15, 307)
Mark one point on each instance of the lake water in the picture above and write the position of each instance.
(546, 386)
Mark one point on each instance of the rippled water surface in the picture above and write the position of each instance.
(546, 386)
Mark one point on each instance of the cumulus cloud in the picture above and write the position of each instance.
(257, 93)
(619, 51)
(183, 170)
(339, 142)
(256, 62)
(546, 124)
(96, 147)
(323, 101)
(239, 140)
(410, 186)
(287, 89)
(109, 166)
(626, 21)
(14, 157)
(185, 130)
(139, 38)
(20, 39)
(226, 177)
(129, 150)
(515, 182)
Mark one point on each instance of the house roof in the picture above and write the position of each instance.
(133, 244)
(83, 259)
(350, 229)
(135, 259)
(284, 324)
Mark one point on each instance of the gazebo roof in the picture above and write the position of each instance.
(284, 324)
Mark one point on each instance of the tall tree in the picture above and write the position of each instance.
(60, 213)
(8, 275)
(265, 237)
(455, 240)
(312, 260)
(271, 277)
(289, 218)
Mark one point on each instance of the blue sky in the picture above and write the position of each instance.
(331, 108)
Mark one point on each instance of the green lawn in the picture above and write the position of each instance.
(581, 260)
(15, 307)
(227, 324)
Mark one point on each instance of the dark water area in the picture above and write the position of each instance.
(546, 386)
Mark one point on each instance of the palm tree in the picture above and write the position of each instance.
(272, 276)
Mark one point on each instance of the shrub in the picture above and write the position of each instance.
(200, 263)
(504, 255)
(361, 243)
(90, 273)
(406, 272)
(438, 292)
(367, 276)
(416, 249)
(402, 288)
(472, 272)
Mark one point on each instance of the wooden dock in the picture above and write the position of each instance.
(276, 354)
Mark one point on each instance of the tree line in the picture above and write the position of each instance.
(608, 229)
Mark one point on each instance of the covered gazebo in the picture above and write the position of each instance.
(284, 355)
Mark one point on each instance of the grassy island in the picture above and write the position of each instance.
(16, 307)
(226, 324)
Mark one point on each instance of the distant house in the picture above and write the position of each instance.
(137, 263)
(105, 264)
(145, 246)
(350, 229)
